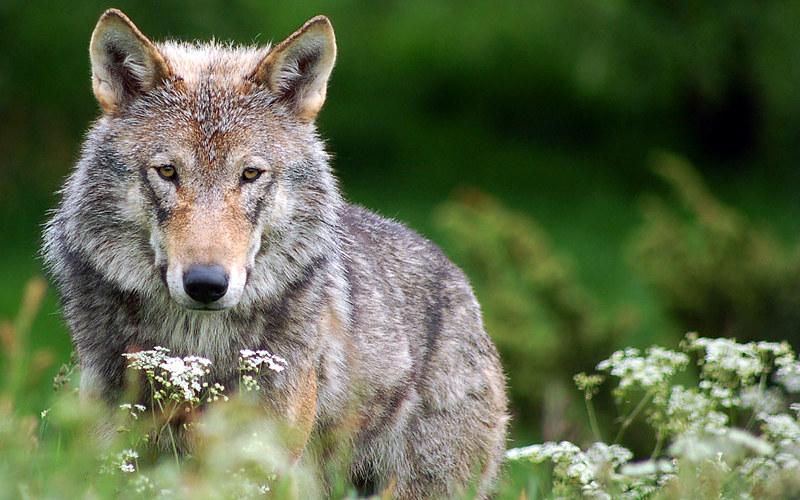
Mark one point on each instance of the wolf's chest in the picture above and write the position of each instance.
(210, 335)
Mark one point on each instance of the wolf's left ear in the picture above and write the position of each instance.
(298, 68)
(125, 63)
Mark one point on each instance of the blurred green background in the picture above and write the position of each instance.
(520, 136)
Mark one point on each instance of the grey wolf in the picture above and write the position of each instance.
(203, 216)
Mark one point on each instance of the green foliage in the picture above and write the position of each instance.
(713, 269)
(544, 323)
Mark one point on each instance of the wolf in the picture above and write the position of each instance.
(203, 216)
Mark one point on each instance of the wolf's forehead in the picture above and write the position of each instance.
(225, 64)
(214, 106)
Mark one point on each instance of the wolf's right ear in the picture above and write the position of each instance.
(124, 62)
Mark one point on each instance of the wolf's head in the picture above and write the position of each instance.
(205, 164)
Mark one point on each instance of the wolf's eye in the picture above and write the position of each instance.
(250, 174)
(166, 172)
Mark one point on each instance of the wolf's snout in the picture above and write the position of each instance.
(205, 284)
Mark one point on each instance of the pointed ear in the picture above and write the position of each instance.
(124, 62)
(298, 68)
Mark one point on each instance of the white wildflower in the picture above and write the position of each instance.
(134, 410)
(724, 448)
(216, 392)
(653, 369)
(694, 421)
(593, 490)
(582, 470)
(788, 376)
(648, 468)
(177, 379)
(601, 453)
(542, 452)
(126, 461)
(788, 461)
(760, 400)
(523, 452)
(780, 352)
(251, 364)
(781, 428)
(688, 411)
(725, 396)
(254, 360)
(146, 360)
(725, 359)
(185, 375)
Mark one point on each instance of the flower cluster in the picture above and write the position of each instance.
(251, 363)
(254, 360)
(134, 410)
(788, 376)
(125, 461)
(177, 379)
(653, 369)
(590, 472)
(688, 411)
(730, 363)
(732, 430)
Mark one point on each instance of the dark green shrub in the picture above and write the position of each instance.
(712, 268)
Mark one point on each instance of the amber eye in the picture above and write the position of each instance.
(251, 174)
(166, 172)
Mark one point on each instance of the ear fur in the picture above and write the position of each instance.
(298, 68)
(125, 63)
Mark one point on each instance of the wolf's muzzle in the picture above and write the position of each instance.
(205, 284)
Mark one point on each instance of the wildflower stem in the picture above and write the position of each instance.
(169, 431)
(592, 416)
(152, 402)
(659, 445)
(635, 413)
(168, 425)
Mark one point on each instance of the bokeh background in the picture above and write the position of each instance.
(608, 173)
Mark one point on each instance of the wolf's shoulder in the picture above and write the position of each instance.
(369, 228)
(391, 245)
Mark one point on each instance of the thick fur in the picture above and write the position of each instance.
(383, 336)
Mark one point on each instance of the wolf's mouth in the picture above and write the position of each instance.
(207, 309)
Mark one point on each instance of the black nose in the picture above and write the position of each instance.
(205, 284)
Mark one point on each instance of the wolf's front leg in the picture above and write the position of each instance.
(295, 407)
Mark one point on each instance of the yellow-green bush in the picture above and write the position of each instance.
(545, 324)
